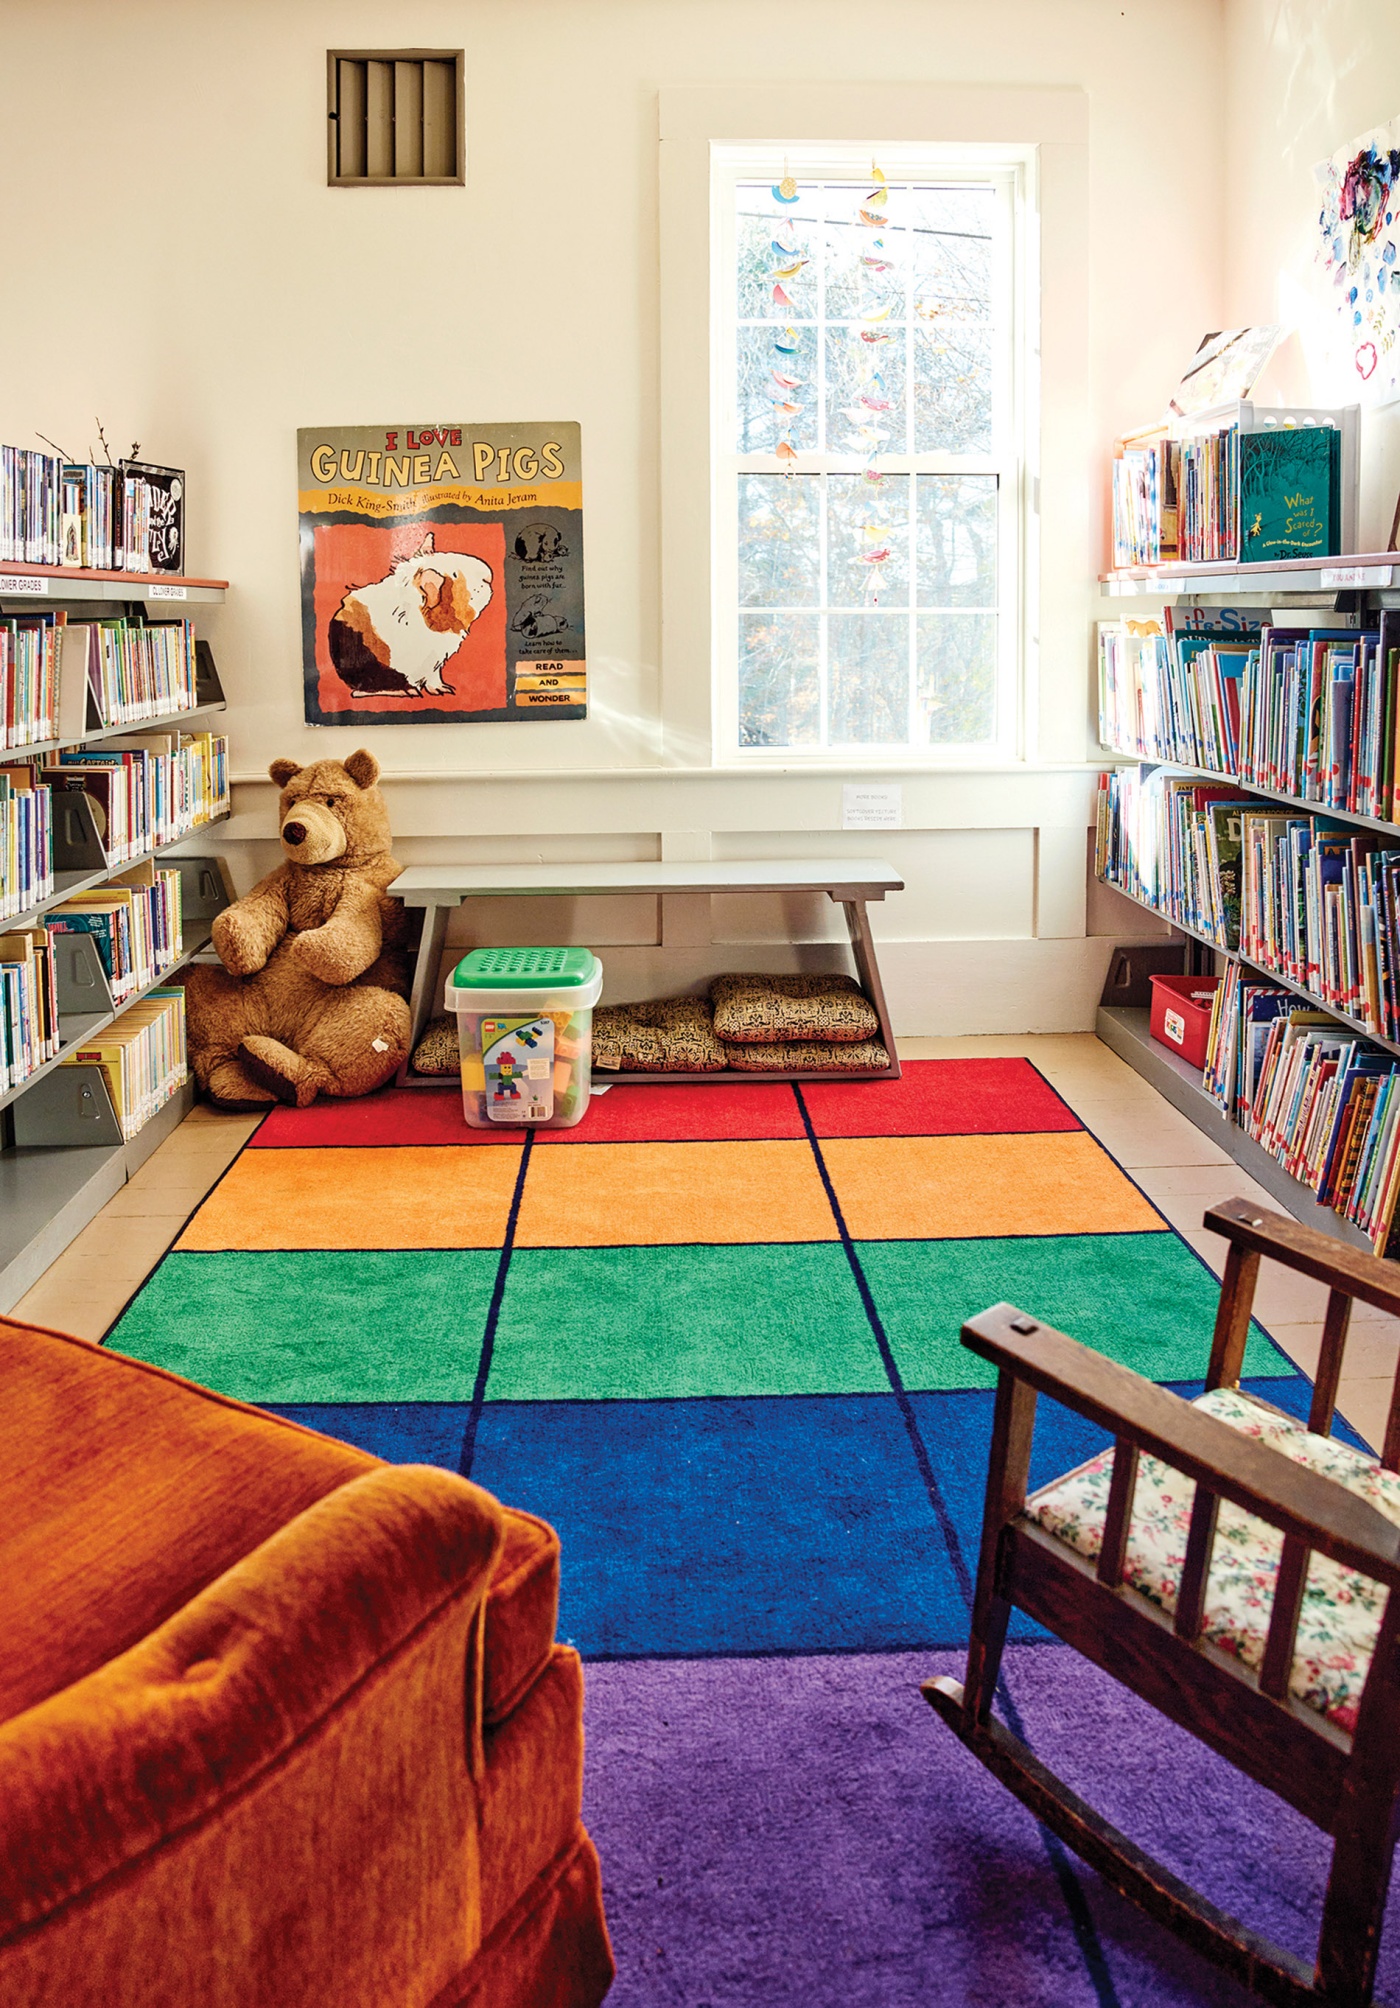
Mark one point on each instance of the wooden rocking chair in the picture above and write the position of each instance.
(1344, 1775)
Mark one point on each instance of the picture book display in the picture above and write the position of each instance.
(1224, 367)
(442, 574)
(1244, 484)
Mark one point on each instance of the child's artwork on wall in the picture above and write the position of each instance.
(442, 573)
(1359, 229)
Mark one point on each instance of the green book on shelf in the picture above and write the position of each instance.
(1287, 478)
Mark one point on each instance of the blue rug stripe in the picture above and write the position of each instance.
(493, 1314)
(897, 1387)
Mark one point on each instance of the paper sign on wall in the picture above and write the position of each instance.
(867, 807)
(441, 573)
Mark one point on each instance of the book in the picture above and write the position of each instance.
(151, 529)
(1286, 477)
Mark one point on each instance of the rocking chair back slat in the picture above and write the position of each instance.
(1195, 1570)
(1277, 1663)
(1329, 1362)
(1390, 1449)
(1118, 1518)
(1232, 1317)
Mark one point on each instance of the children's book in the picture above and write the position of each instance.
(1286, 493)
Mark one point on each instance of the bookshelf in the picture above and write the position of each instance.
(1361, 601)
(63, 1153)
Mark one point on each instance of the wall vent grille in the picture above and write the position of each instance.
(396, 118)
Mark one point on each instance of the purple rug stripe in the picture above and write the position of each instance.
(806, 1832)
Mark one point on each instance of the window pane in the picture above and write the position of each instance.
(772, 238)
(950, 249)
(957, 540)
(779, 540)
(957, 677)
(867, 540)
(952, 391)
(868, 666)
(951, 242)
(768, 410)
(865, 410)
(779, 680)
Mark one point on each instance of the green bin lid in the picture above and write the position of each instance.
(525, 969)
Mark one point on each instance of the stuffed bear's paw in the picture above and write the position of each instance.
(325, 953)
(238, 945)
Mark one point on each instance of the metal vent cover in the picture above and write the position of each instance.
(396, 118)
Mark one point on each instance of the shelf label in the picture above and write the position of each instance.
(22, 583)
(1335, 576)
(167, 592)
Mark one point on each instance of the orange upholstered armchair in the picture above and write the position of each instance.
(281, 1726)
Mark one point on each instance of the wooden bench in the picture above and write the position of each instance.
(850, 882)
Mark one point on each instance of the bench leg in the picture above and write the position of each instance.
(868, 973)
(420, 1002)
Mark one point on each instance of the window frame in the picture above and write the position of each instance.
(1011, 173)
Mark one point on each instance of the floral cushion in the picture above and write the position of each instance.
(1341, 1609)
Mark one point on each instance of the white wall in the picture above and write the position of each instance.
(1306, 77)
(191, 279)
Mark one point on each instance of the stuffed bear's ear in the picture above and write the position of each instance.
(282, 771)
(362, 768)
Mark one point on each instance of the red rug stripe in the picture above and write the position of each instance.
(680, 1114)
(934, 1098)
(393, 1116)
(941, 1098)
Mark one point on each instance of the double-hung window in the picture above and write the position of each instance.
(868, 402)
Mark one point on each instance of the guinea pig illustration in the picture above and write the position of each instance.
(537, 543)
(535, 620)
(396, 634)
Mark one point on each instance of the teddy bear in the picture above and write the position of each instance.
(311, 998)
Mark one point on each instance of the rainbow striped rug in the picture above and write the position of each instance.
(712, 1335)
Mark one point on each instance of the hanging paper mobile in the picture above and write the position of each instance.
(788, 262)
(871, 403)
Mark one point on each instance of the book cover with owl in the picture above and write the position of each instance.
(442, 573)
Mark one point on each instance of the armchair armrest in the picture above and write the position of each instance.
(226, 1704)
(1253, 1475)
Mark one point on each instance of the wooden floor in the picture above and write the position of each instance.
(1177, 1166)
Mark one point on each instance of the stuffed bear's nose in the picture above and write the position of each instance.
(294, 833)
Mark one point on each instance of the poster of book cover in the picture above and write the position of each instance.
(441, 573)
(1357, 248)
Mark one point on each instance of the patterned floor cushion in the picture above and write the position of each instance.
(1341, 1609)
(774, 1010)
(667, 1035)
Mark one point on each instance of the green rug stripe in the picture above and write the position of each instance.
(1144, 1299)
(319, 1325)
(648, 1324)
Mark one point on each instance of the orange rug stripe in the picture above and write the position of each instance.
(638, 1194)
(935, 1188)
(409, 1197)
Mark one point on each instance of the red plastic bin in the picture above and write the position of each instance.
(1181, 1014)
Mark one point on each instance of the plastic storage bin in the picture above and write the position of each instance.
(525, 1031)
(1180, 1018)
